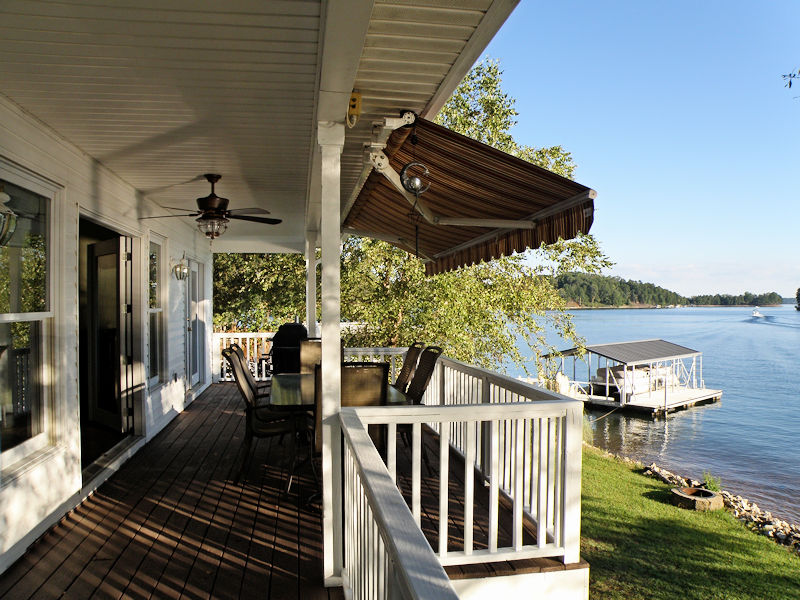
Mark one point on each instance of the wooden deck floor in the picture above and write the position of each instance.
(172, 524)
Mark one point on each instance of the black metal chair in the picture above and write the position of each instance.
(422, 376)
(261, 388)
(260, 421)
(416, 389)
(409, 366)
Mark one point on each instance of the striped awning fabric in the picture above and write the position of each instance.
(468, 179)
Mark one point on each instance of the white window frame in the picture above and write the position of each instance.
(11, 458)
(157, 379)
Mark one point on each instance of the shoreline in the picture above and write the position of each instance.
(761, 522)
(654, 306)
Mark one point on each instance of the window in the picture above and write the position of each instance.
(25, 319)
(155, 311)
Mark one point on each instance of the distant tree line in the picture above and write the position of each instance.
(599, 290)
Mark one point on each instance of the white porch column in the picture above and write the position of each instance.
(331, 139)
(311, 282)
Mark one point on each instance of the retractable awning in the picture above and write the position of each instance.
(482, 203)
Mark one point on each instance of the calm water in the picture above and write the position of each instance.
(749, 439)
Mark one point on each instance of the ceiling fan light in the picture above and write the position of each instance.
(212, 227)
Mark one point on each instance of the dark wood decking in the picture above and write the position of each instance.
(172, 524)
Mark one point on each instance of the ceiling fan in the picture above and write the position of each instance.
(213, 215)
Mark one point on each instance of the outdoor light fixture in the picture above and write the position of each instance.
(412, 178)
(181, 269)
(8, 219)
(212, 226)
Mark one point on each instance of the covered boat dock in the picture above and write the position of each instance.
(655, 376)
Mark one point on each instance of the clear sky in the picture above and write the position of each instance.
(675, 112)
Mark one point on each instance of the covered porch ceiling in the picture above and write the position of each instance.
(162, 92)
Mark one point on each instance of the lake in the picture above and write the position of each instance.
(748, 439)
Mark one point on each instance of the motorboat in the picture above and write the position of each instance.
(757, 313)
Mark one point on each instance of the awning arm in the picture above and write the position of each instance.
(408, 245)
(575, 200)
(381, 130)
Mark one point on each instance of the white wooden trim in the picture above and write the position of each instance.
(331, 140)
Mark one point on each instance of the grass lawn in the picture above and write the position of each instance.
(639, 546)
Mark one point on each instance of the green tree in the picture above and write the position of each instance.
(480, 109)
(252, 291)
(477, 313)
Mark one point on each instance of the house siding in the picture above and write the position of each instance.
(37, 491)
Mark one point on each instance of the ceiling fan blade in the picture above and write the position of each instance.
(266, 220)
(248, 211)
(196, 212)
(167, 216)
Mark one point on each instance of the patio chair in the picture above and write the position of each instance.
(262, 388)
(260, 421)
(310, 355)
(363, 384)
(416, 389)
(409, 366)
(422, 375)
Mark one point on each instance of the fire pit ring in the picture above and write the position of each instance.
(694, 498)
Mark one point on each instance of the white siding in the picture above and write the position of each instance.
(39, 491)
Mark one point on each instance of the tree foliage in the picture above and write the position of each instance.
(480, 109)
(597, 290)
(254, 291)
(477, 313)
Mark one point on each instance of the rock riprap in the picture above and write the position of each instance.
(760, 521)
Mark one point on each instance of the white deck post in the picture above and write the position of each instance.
(573, 434)
(331, 139)
(311, 282)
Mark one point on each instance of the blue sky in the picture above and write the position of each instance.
(675, 112)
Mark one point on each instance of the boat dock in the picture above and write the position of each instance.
(652, 376)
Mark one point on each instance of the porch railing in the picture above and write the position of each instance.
(386, 554)
(524, 442)
(256, 348)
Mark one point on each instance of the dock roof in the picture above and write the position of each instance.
(639, 352)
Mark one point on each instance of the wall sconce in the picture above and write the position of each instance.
(8, 219)
(181, 269)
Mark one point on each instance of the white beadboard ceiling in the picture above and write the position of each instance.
(162, 91)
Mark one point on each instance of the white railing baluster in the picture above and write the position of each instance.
(541, 499)
(444, 480)
(494, 484)
(391, 450)
(558, 486)
(416, 480)
(518, 484)
(469, 484)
